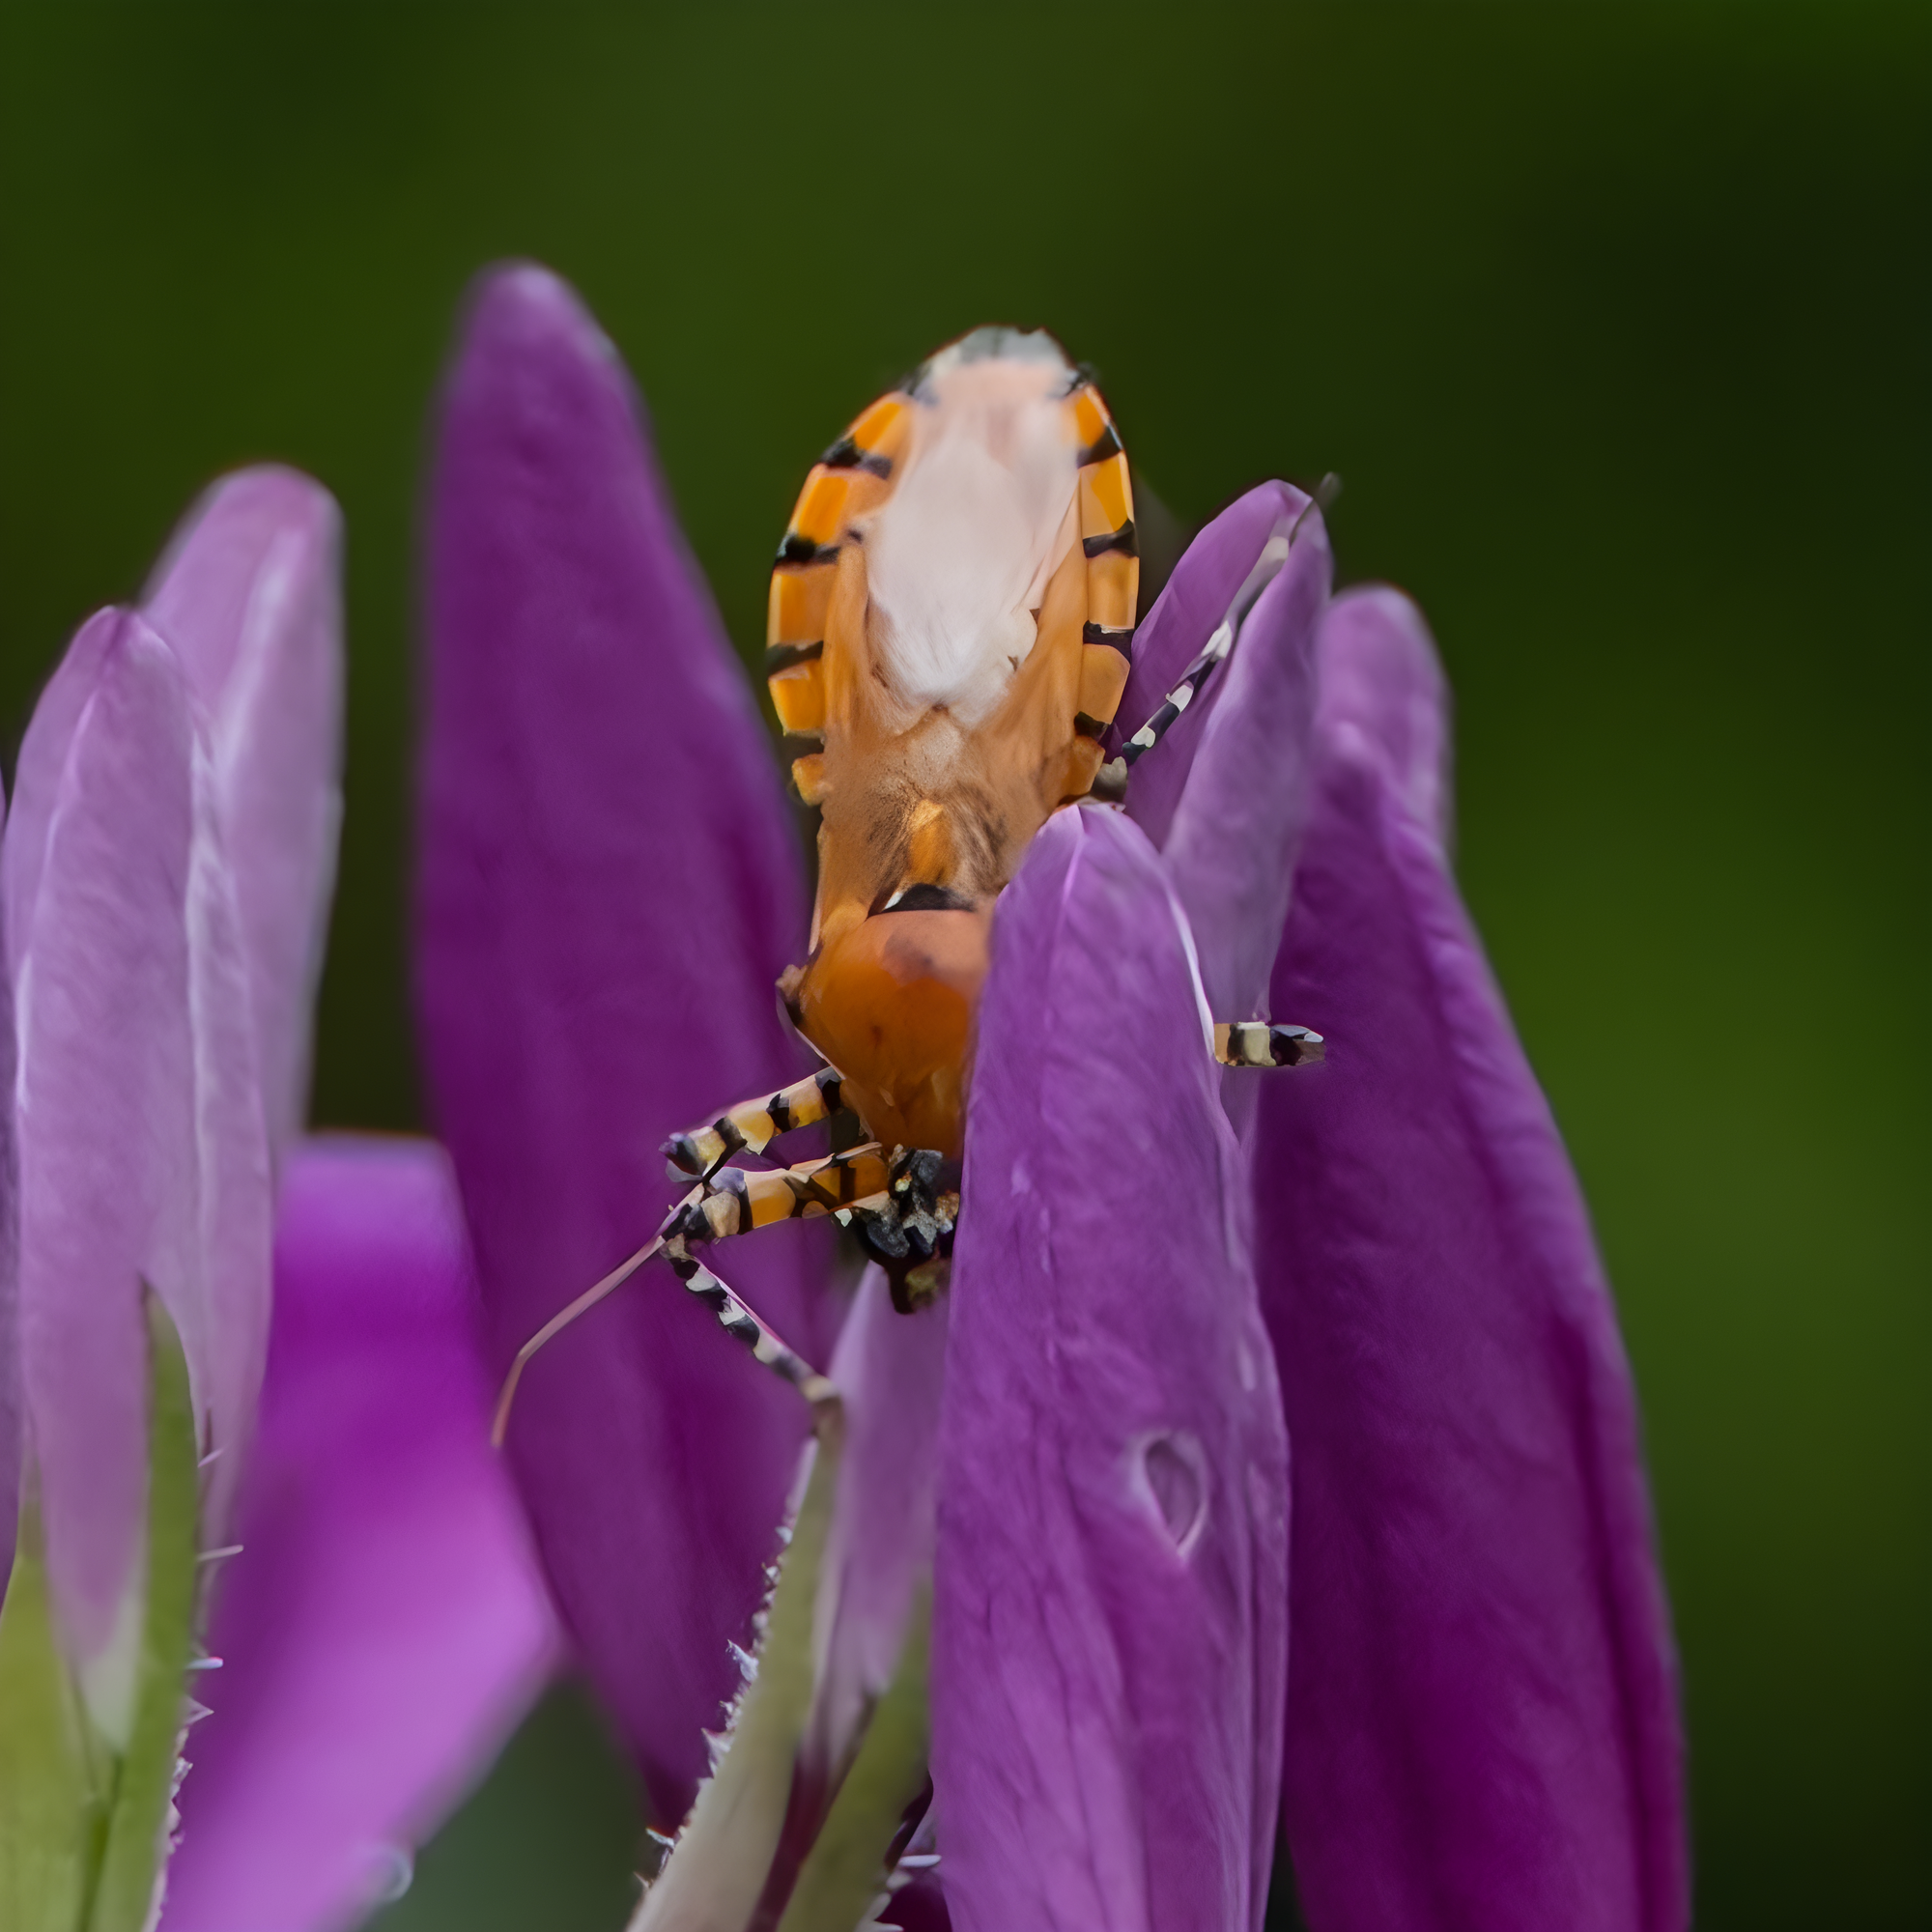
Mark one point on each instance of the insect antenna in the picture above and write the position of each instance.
(1111, 784)
(500, 1423)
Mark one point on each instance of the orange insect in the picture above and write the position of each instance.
(951, 621)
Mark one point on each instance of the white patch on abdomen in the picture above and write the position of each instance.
(958, 557)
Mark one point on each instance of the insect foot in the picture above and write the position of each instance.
(909, 1233)
(1256, 1043)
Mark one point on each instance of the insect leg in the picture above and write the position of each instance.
(671, 1240)
(908, 1231)
(753, 1124)
(1110, 785)
(1256, 1043)
(735, 1200)
(736, 1319)
(902, 1209)
(500, 1423)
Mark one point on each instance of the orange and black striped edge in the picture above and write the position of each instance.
(1113, 582)
(855, 475)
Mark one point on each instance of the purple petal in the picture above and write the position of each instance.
(1482, 1724)
(105, 1096)
(1231, 842)
(22, 856)
(250, 598)
(37, 779)
(1110, 1616)
(1382, 686)
(12, 1413)
(609, 885)
(213, 1270)
(1191, 603)
(384, 1624)
(143, 1151)
(889, 1369)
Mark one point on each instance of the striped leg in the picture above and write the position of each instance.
(766, 1343)
(1255, 1044)
(903, 1211)
(1111, 785)
(736, 1199)
(754, 1123)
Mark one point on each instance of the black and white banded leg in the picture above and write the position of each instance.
(734, 1315)
(742, 1322)
(1110, 786)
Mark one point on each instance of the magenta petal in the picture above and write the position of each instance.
(609, 887)
(1482, 1724)
(1231, 842)
(1191, 603)
(1111, 1599)
(384, 1624)
(249, 599)
(921, 1906)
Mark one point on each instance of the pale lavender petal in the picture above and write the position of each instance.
(889, 1369)
(212, 1263)
(1191, 603)
(1111, 1607)
(609, 887)
(106, 1113)
(11, 1414)
(22, 854)
(384, 1624)
(37, 778)
(1231, 842)
(1482, 1724)
(250, 598)
(143, 1151)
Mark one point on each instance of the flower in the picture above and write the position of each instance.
(164, 879)
(1166, 1280)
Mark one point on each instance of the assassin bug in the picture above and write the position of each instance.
(950, 618)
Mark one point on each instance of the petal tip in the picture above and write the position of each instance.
(237, 516)
(1382, 688)
(524, 303)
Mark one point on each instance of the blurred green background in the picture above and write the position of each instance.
(1614, 321)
